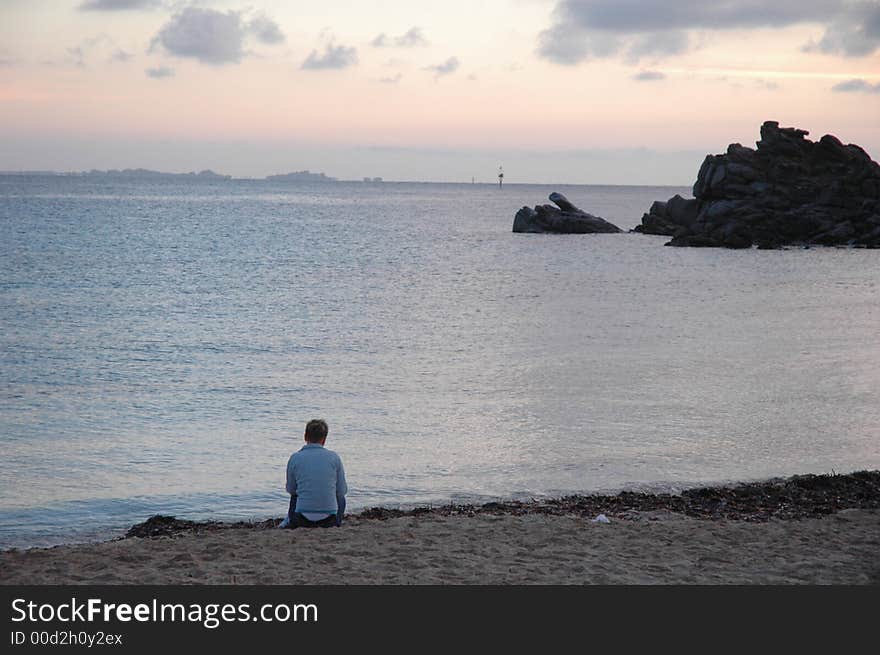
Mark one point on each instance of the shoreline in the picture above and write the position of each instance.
(809, 529)
(791, 498)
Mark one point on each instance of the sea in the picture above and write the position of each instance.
(164, 341)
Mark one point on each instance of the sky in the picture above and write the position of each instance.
(555, 91)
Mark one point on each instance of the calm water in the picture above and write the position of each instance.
(163, 345)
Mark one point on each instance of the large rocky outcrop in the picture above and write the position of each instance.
(567, 219)
(789, 191)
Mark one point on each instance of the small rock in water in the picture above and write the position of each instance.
(567, 219)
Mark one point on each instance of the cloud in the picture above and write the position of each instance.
(658, 44)
(584, 29)
(855, 33)
(210, 36)
(101, 48)
(266, 30)
(638, 16)
(118, 5)
(649, 76)
(413, 38)
(446, 68)
(335, 57)
(392, 80)
(856, 86)
(159, 72)
(121, 55)
(78, 56)
(214, 37)
(566, 46)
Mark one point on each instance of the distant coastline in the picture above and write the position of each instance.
(144, 173)
(297, 177)
(300, 176)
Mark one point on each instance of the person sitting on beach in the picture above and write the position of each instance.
(315, 482)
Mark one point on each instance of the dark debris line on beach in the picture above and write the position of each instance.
(798, 497)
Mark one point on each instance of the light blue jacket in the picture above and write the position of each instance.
(316, 477)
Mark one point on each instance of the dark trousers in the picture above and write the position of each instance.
(300, 521)
(297, 520)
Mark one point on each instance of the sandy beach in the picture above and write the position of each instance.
(803, 530)
(840, 549)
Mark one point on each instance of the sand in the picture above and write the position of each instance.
(657, 547)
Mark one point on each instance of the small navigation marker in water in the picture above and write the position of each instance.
(500, 176)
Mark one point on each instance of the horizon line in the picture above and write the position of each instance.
(321, 178)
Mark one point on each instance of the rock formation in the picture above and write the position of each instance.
(568, 219)
(789, 191)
